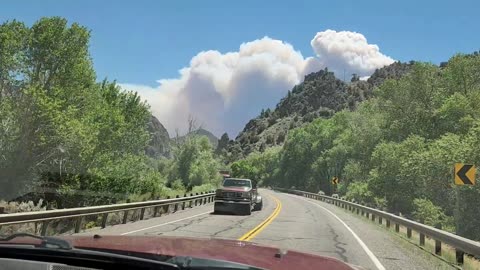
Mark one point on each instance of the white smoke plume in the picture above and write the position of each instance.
(223, 91)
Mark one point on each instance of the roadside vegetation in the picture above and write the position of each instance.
(394, 151)
(64, 130)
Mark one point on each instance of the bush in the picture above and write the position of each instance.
(359, 192)
(432, 215)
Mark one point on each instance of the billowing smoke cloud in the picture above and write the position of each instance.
(348, 52)
(223, 91)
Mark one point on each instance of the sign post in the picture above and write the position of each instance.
(335, 182)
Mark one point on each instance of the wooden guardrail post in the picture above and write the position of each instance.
(125, 217)
(409, 232)
(125, 214)
(191, 201)
(183, 204)
(44, 227)
(397, 227)
(104, 220)
(175, 208)
(166, 208)
(388, 223)
(155, 209)
(78, 224)
(142, 213)
(421, 236)
(201, 199)
(459, 256)
(196, 200)
(438, 244)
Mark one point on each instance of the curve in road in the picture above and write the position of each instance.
(295, 223)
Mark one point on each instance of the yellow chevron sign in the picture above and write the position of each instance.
(464, 174)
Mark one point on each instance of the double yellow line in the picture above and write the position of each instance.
(251, 234)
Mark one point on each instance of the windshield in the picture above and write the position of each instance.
(331, 129)
(237, 183)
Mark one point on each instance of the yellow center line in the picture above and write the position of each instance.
(251, 234)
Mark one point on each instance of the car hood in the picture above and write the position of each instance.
(229, 250)
(235, 189)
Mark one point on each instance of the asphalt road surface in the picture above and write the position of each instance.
(295, 223)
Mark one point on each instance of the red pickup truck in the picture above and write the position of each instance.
(238, 196)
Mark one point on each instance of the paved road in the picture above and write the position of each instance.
(302, 224)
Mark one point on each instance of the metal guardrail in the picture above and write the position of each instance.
(462, 246)
(45, 217)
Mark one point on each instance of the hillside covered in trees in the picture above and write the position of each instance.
(321, 94)
(394, 149)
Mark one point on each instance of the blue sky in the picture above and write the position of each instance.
(143, 41)
(140, 42)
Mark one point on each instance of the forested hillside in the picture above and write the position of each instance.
(62, 129)
(321, 94)
(395, 150)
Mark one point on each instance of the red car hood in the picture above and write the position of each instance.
(229, 250)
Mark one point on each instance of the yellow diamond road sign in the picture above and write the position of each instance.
(464, 174)
(335, 180)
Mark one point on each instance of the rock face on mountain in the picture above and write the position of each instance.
(321, 94)
(160, 144)
(200, 132)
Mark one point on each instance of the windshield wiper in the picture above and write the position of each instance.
(47, 242)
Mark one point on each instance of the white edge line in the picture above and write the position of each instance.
(370, 254)
(163, 224)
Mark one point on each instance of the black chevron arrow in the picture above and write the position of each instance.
(462, 174)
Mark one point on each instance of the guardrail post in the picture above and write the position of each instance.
(166, 208)
(421, 236)
(142, 213)
(380, 220)
(155, 209)
(367, 214)
(104, 220)
(44, 228)
(191, 202)
(196, 200)
(175, 208)
(183, 204)
(125, 217)
(409, 232)
(438, 244)
(421, 239)
(358, 211)
(201, 199)
(205, 198)
(397, 227)
(388, 223)
(459, 256)
(78, 224)
(373, 217)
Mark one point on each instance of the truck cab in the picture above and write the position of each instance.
(238, 196)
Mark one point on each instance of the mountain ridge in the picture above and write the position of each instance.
(321, 94)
